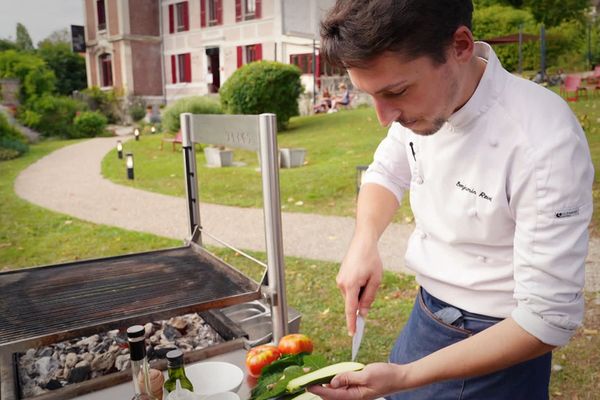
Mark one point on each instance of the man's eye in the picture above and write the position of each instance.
(396, 94)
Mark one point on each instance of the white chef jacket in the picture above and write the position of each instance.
(502, 200)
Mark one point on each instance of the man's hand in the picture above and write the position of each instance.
(361, 267)
(374, 381)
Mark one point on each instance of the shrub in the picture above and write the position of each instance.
(53, 116)
(263, 87)
(33, 73)
(107, 102)
(194, 105)
(12, 142)
(137, 109)
(90, 124)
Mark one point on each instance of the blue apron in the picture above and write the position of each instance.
(433, 325)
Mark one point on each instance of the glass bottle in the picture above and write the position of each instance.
(139, 363)
(176, 372)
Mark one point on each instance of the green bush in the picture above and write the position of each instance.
(490, 22)
(12, 142)
(53, 116)
(194, 105)
(33, 73)
(137, 109)
(263, 87)
(90, 124)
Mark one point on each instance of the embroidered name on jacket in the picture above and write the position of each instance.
(468, 189)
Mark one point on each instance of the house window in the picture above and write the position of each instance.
(179, 17)
(101, 10)
(247, 9)
(302, 61)
(211, 11)
(106, 78)
(181, 68)
(248, 54)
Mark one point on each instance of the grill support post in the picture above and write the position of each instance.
(191, 177)
(273, 226)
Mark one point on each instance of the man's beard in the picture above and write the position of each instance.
(436, 126)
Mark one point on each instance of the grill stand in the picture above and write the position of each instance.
(256, 133)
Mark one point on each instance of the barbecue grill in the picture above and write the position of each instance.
(44, 305)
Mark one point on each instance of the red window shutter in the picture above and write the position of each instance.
(257, 9)
(240, 59)
(219, 6)
(186, 17)
(188, 67)
(171, 18)
(173, 69)
(318, 72)
(258, 51)
(203, 13)
(238, 10)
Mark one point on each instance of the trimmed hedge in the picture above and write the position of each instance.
(90, 124)
(263, 87)
(194, 105)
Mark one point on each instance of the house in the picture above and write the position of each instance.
(163, 50)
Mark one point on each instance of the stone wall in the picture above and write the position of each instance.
(9, 92)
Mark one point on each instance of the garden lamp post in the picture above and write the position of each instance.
(153, 130)
(120, 149)
(136, 133)
(129, 163)
(360, 172)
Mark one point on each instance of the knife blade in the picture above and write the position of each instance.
(358, 335)
(360, 329)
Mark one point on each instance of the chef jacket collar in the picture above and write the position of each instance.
(485, 95)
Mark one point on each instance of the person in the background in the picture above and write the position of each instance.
(325, 103)
(343, 98)
(500, 181)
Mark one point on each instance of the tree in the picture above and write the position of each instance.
(553, 12)
(68, 67)
(23, 42)
(35, 76)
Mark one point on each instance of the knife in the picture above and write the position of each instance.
(360, 329)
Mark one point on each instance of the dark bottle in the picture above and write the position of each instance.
(176, 372)
(139, 363)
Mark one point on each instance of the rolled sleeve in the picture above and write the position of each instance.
(552, 211)
(390, 167)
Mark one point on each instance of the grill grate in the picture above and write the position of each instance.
(44, 305)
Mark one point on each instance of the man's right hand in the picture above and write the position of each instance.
(362, 267)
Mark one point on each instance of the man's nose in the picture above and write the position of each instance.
(386, 111)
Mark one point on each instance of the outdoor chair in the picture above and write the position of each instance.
(174, 140)
(572, 88)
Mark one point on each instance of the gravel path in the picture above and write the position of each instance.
(69, 181)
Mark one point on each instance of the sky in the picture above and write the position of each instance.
(40, 17)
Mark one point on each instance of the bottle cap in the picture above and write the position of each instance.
(175, 358)
(135, 332)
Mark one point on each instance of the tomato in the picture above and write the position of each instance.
(295, 343)
(259, 357)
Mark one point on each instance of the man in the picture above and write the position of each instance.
(500, 180)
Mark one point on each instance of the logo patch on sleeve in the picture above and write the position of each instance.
(567, 213)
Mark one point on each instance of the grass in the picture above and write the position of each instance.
(31, 235)
(335, 143)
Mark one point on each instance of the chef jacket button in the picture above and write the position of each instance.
(494, 143)
(419, 180)
(481, 259)
(471, 212)
(423, 235)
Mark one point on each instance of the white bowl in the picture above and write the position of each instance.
(222, 396)
(214, 377)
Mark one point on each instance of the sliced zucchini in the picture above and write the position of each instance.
(323, 375)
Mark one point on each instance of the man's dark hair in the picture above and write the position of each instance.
(356, 31)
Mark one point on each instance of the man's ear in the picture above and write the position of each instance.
(463, 45)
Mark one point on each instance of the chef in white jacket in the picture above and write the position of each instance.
(499, 175)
